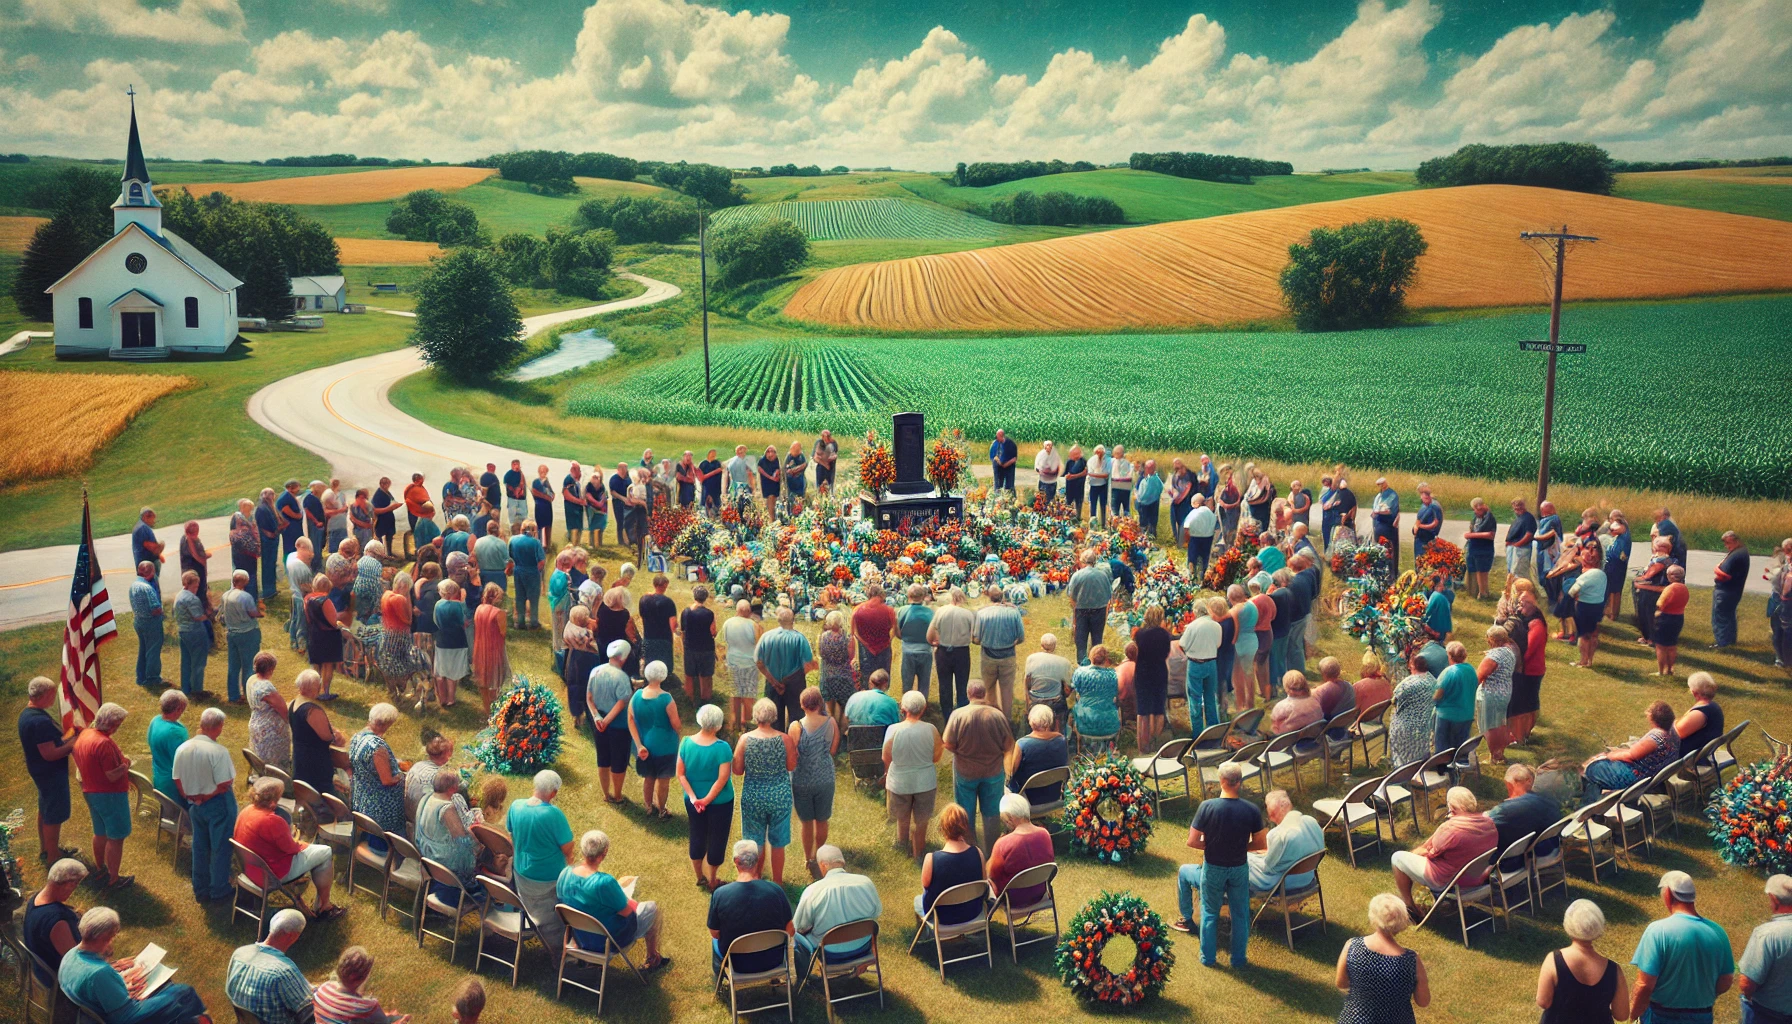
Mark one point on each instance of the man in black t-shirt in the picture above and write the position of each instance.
(1731, 575)
(709, 471)
(659, 617)
(46, 761)
(746, 905)
(516, 498)
(488, 482)
(697, 627)
(1346, 507)
(1225, 830)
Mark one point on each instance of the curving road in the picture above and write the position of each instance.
(341, 412)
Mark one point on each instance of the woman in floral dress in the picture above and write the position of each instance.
(270, 734)
(1409, 720)
(369, 583)
(378, 780)
(764, 759)
(836, 665)
(1495, 672)
(400, 662)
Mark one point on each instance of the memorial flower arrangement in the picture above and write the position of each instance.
(14, 879)
(1441, 556)
(1369, 559)
(1079, 960)
(1751, 817)
(668, 521)
(1230, 567)
(946, 460)
(523, 735)
(1108, 809)
(1165, 586)
(877, 468)
(1386, 618)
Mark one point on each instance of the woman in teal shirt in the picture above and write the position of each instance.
(584, 888)
(1588, 592)
(705, 770)
(1097, 711)
(166, 734)
(653, 724)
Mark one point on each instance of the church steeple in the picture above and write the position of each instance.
(137, 202)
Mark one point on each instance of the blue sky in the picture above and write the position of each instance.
(922, 83)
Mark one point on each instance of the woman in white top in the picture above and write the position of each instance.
(1120, 482)
(1048, 464)
(740, 638)
(1099, 470)
(912, 751)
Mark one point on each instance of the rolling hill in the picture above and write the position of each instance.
(343, 189)
(1149, 197)
(1224, 269)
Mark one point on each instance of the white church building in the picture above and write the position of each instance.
(147, 291)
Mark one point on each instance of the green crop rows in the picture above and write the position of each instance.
(828, 219)
(1681, 396)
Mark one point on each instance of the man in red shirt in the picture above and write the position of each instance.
(106, 784)
(873, 623)
(269, 836)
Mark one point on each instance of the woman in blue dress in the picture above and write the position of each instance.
(1097, 686)
(764, 759)
(378, 780)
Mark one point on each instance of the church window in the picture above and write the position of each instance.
(136, 192)
(135, 263)
(192, 312)
(84, 308)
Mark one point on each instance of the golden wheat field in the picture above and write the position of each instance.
(340, 189)
(50, 436)
(16, 232)
(1224, 269)
(384, 251)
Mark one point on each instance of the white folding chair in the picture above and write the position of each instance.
(738, 981)
(1013, 916)
(1040, 780)
(1505, 881)
(1209, 748)
(174, 821)
(929, 924)
(1466, 894)
(1338, 739)
(1725, 754)
(1354, 810)
(857, 967)
(404, 869)
(1542, 865)
(573, 953)
(260, 893)
(1625, 818)
(1395, 790)
(1587, 832)
(1246, 759)
(512, 925)
(1290, 900)
(1467, 759)
(1434, 776)
(438, 874)
(1164, 765)
(1372, 726)
(1245, 723)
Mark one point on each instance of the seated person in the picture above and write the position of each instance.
(444, 834)
(1038, 751)
(1097, 687)
(263, 979)
(1373, 687)
(1048, 679)
(1463, 836)
(268, 835)
(746, 905)
(1292, 837)
(1333, 693)
(1298, 709)
(1523, 812)
(954, 863)
(110, 988)
(52, 927)
(1622, 766)
(1025, 845)
(585, 888)
(838, 897)
(874, 706)
(342, 999)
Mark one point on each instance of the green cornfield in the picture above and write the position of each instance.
(1687, 396)
(828, 219)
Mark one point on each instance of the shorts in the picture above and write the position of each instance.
(813, 803)
(700, 662)
(766, 829)
(656, 766)
(1667, 629)
(1412, 866)
(746, 680)
(901, 805)
(312, 857)
(452, 663)
(614, 747)
(52, 799)
(1587, 617)
(111, 814)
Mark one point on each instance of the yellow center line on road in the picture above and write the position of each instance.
(331, 409)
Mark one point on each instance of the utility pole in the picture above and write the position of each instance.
(703, 271)
(1561, 239)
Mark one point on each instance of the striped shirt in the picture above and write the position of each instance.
(265, 982)
(336, 1005)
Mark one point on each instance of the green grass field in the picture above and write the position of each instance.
(529, 301)
(1493, 981)
(1148, 197)
(833, 219)
(1753, 198)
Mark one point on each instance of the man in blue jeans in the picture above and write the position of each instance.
(242, 615)
(146, 618)
(267, 524)
(1726, 593)
(205, 776)
(979, 737)
(1225, 830)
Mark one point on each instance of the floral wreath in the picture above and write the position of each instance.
(523, 736)
(1093, 784)
(1750, 822)
(1079, 954)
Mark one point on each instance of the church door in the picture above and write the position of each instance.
(139, 330)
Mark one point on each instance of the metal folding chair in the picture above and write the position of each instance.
(1309, 746)
(1166, 764)
(42, 990)
(738, 981)
(1013, 916)
(1372, 725)
(1434, 776)
(1396, 789)
(1467, 759)
(1279, 753)
(1725, 754)
(1553, 863)
(456, 911)
(1039, 780)
(1625, 818)
(141, 787)
(1339, 739)
(174, 821)
(1587, 831)
(573, 953)
(405, 870)
(1209, 748)
(513, 925)
(1290, 900)
(261, 893)
(1246, 759)
(1657, 803)
(1245, 723)
(928, 924)
(363, 855)
(1505, 881)
(1466, 894)
(1348, 813)
(859, 966)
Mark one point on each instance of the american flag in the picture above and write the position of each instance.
(90, 624)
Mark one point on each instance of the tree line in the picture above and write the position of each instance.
(980, 175)
(1574, 166)
(330, 160)
(1632, 166)
(552, 171)
(790, 171)
(1209, 166)
(1056, 208)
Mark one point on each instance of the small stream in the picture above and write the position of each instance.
(577, 348)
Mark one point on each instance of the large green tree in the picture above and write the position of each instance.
(768, 249)
(263, 244)
(468, 327)
(81, 200)
(1353, 276)
(427, 216)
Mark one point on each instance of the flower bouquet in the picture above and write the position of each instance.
(1079, 961)
(1751, 817)
(877, 468)
(668, 522)
(946, 461)
(523, 736)
(1231, 567)
(1110, 784)
(1370, 559)
(1441, 556)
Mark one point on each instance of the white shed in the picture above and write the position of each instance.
(319, 294)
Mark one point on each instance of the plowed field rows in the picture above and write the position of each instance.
(357, 251)
(828, 219)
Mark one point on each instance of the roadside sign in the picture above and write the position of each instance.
(1561, 348)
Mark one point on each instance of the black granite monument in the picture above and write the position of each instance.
(911, 502)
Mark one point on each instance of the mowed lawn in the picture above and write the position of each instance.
(1495, 980)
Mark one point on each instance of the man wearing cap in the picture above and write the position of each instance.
(1683, 961)
(1767, 962)
(607, 694)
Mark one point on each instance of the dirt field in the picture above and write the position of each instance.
(51, 436)
(340, 189)
(363, 251)
(16, 232)
(1224, 269)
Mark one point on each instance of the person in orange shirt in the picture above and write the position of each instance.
(415, 497)
(106, 784)
(1670, 618)
(269, 836)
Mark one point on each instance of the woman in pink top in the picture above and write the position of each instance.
(1297, 710)
(1025, 845)
(1266, 614)
(1374, 687)
(1463, 836)
(340, 999)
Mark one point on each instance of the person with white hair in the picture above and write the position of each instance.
(1047, 678)
(1040, 750)
(299, 576)
(543, 843)
(47, 754)
(1465, 834)
(585, 887)
(1766, 968)
(913, 620)
(740, 642)
(1576, 984)
(92, 979)
(950, 633)
(837, 897)
(1704, 721)
(263, 980)
(607, 695)
(241, 613)
(653, 727)
(51, 927)
(1683, 961)
(746, 905)
(454, 656)
(1224, 830)
(764, 759)
(999, 633)
(265, 832)
(106, 786)
(1292, 837)
(147, 619)
(205, 776)
(378, 787)
(1048, 465)
(705, 768)
(1381, 979)
(911, 752)
(1522, 813)
(1025, 846)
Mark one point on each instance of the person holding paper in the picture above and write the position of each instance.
(129, 991)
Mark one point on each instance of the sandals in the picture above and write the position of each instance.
(336, 910)
(663, 961)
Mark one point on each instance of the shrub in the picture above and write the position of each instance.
(1353, 276)
(1055, 208)
(551, 171)
(577, 263)
(639, 218)
(1209, 166)
(714, 185)
(772, 248)
(467, 323)
(427, 216)
(1574, 166)
(979, 175)
(263, 244)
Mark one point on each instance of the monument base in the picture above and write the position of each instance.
(907, 514)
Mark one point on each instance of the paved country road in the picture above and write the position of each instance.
(343, 413)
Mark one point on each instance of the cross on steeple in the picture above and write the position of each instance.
(131, 91)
